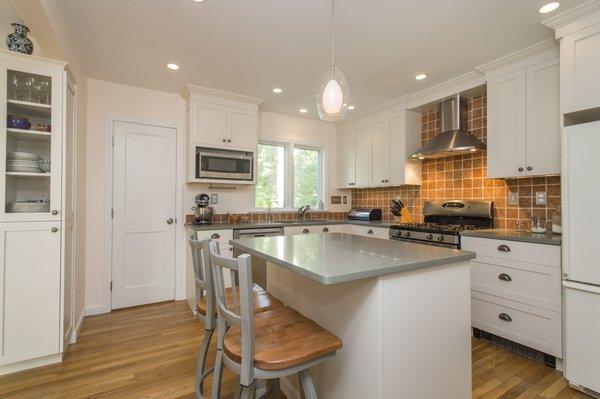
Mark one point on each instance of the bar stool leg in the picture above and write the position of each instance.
(275, 389)
(217, 375)
(201, 373)
(307, 385)
(248, 392)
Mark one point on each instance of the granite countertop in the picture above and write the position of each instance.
(337, 257)
(286, 223)
(515, 235)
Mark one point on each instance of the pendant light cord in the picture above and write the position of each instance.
(332, 33)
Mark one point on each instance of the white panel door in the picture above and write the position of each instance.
(543, 119)
(243, 129)
(364, 165)
(30, 290)
(347, 154)
(144, 214)
(209, 124)
(381, 153)
(582, 173)
(506, 125)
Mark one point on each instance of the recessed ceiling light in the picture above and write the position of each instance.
(549, 7)
(351, 107)
(303, 110)
(277, 90)
(420, 76)
(198, 1)
(173, 67)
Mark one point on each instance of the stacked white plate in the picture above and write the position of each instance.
(28, 206)
(22, 162)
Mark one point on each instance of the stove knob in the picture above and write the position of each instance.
(441, 238)
(429, 236)
(407, 234)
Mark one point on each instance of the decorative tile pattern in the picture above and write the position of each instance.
(262, 216)
(463, 177)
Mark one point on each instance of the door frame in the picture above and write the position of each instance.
(179, 289)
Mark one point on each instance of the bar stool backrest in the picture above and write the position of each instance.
(204, 282)
(237, 312)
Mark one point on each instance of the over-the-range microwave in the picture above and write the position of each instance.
(213, 163)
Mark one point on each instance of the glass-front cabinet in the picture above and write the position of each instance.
(31, 105)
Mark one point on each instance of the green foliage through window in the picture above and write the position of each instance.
(270, 184)
(306, 177)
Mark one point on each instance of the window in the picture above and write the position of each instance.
(288, 174)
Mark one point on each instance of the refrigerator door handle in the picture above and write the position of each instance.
(581, 287)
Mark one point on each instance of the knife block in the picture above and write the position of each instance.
(405, 216)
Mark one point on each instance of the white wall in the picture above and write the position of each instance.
(285, 128)
(106, 98)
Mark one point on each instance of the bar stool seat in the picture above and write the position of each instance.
(263, 301)
(283, 338)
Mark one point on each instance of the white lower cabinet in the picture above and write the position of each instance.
(516, 291)
(368, 231)
(30, 273)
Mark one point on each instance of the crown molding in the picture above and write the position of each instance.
(571, 15)
(396, 102)
(31, 59)
(549, 46)
(190, 90)
(442, 90)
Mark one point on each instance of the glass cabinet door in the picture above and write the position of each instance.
(31, 103)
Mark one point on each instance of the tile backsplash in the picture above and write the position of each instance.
(463, 177)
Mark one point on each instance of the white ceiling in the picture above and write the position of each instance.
(251, 46)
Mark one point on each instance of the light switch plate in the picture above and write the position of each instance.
(214, 199)
(513, 198)
(541, 198)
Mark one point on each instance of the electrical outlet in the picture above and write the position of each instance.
(214, 199)
(345, 199)
(513, 198)
(541, 198)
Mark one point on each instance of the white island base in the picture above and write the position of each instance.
(406, 335)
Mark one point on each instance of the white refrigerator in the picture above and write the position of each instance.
(581, 255)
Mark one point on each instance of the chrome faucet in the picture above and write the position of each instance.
(270, 211)
(302, 211)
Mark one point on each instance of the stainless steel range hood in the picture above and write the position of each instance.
(454, 138)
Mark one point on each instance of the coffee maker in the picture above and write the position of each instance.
(203, 213)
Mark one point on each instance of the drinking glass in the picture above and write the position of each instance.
(17, 86)
(45, 95)
(28, 82)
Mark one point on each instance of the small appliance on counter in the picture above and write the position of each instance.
(203, 213)
(366, 214)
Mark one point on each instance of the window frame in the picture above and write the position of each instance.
(288, 168)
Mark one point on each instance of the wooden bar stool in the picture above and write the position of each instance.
(263, 346)
(205, 305)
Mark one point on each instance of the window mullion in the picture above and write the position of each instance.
(289, 181)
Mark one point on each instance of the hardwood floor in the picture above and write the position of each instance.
(151, 352)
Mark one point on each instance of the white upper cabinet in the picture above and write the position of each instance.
(579, 60)
(242, 128)
(524, 120)
(347, 156)
(374, 151)
(208, 124)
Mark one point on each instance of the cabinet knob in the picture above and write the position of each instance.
(54, 212)
(325, 230)
(503, 248)
(505, 317)
(215, 236)
(54, 229)
(229, 140)
(170, 221)
(504, 277)
(530, 168)
(305, 231)
(224, 140)
(369, 231)
(231, 249)
(520, 169)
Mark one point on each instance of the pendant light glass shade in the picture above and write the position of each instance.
(333, 96)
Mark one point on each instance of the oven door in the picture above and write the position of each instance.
(224, 165)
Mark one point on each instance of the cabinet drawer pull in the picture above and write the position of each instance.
(54, 229)
(503, 248)
(530, 168)
(369, 231)
(520, 169)
(54, 212)
(305, 231)
(215, 236)
(505, 317)
(325, 230)
(504, 277)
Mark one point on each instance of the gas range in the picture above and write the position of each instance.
(444, 220)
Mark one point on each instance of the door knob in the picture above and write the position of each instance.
(170, 221)
(54, 212)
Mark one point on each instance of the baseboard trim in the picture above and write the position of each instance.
(91, 311)
(78, 326)
(30, 364)
(288, 389)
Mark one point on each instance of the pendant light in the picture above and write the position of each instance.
(333, 93)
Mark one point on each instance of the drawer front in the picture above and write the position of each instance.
(531, 284)
(537, 328)
(513, 250)
(368, 231)
(219, 235)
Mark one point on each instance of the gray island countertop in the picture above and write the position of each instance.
(515, 235)
(336, 257)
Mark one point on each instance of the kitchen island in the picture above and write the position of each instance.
(402, 310)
